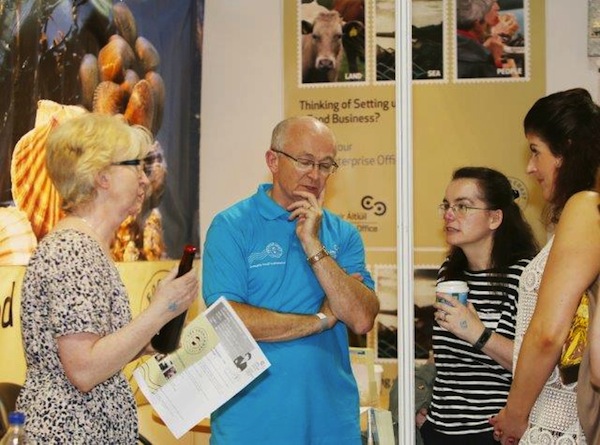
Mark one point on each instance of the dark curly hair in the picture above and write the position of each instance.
(569, 123)
(513, 239)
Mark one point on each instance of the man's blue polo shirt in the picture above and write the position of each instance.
(308, 396)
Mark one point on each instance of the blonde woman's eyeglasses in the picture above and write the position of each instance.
(146, 167)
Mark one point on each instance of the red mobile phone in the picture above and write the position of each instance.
(167, 339)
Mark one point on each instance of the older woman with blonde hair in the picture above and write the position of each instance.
(77, 327)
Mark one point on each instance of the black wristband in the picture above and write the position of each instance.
(485, 336)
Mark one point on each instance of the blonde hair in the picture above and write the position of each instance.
(80, 148)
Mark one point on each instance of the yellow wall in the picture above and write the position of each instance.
(473, 124)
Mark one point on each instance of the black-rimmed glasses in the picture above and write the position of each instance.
(145, 166)
(459, 210)
(305, 165)
(129, 162)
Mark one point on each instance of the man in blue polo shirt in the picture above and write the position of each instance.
(295, 274)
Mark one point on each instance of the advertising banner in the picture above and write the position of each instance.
(136, 58)
(331, 77)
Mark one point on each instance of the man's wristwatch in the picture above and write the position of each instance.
(317, 256)
(323, 319)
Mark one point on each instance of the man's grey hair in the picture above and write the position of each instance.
(278, 138)
(469, 12)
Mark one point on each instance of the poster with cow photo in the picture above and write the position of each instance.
(331, 41)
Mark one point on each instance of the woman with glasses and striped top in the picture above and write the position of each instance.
(490, 244)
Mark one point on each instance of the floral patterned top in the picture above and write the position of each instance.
(71, 286)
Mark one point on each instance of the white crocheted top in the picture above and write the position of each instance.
(553, 419)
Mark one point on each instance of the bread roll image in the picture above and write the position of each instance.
(125, 23)
(131, 78)
(140, 108)
(157, 86)
(147, 55)
(89, 79)
(109, 98)
(115, 58)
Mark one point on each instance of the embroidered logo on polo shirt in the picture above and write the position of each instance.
(272, 251)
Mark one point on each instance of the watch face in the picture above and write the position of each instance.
(318, 256)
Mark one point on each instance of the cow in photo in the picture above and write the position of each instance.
(322, 49)
(332, 41)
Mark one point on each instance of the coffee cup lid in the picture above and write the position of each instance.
(452, 286)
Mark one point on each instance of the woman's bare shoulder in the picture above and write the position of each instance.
(580, 201)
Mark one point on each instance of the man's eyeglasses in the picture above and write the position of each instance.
(305, 165)
(459, 210)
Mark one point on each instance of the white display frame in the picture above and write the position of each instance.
(404, 186)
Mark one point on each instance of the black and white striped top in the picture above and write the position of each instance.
(469, 386)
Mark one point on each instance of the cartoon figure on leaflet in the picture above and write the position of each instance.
(241, 361)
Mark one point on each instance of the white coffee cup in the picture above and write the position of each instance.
(458, 289)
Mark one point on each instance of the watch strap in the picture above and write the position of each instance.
(317, 256)
(323, 319)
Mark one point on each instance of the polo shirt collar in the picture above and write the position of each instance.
(267, 207)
